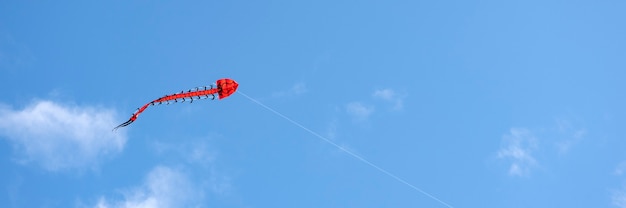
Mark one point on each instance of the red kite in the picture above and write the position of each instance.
(225, 87)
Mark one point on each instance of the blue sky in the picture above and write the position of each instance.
(477, 103)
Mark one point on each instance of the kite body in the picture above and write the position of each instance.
(224, 88)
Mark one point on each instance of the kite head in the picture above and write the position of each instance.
(226, 87)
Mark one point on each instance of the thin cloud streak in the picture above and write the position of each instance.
(60, 137)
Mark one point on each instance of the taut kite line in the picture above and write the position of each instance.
(224, 88)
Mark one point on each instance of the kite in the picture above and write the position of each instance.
(224, 88)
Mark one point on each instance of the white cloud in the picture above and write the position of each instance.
(391, 96)
(163, 187)
(518, 148)
(60, 137)
(385, 94)
(199, 155)
(619, 198)
(297, 89)
(187, 185)
(359, 110)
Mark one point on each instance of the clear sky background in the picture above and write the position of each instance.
(477, 103)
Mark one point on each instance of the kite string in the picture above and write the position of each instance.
(346, 151)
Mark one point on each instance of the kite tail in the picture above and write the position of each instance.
(134, 116)
(124, 124)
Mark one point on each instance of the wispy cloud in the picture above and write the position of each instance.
(297, 89)
(359, 111)
(391, 96)
(521, 145)
(190, 179)
(163, 187)
(198, 154)
(618, 198)
(518, 148)
(570, 136)
(59, 137)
